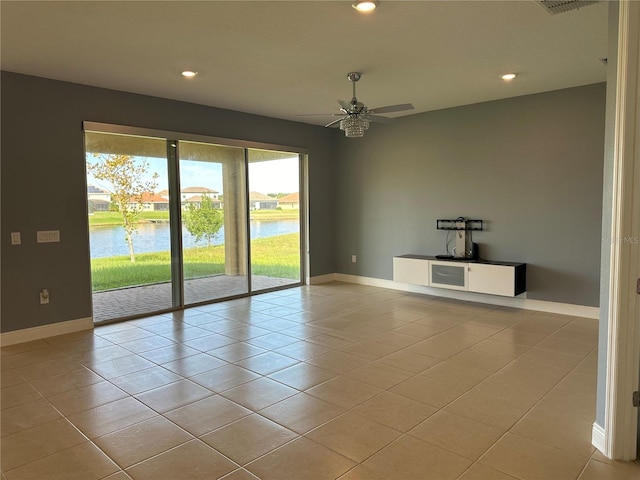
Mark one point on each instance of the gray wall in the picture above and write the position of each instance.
(44, 184)
(531, 167)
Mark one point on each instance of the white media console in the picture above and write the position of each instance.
(480, 276)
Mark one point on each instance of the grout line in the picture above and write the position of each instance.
(352, 335)
(526, 413)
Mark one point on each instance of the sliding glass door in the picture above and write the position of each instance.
(175, 222)
(274, 209)
(214, 225)
(129, 224)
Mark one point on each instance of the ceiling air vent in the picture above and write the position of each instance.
(560, 6)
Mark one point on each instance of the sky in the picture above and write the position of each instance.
(279, 176)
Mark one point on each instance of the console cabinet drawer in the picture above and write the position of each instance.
(492, 279)
(411, 270)
(449, 275)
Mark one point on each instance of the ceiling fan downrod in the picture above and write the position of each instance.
(353, 77)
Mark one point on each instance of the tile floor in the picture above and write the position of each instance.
(335, 381)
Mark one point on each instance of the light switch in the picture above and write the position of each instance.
(48, 236)
(15, 238)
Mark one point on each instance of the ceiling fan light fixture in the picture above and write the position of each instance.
(365, 5)
(354, 126)
(357, 116)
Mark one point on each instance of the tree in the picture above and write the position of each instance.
(203, 220)
(129, 182)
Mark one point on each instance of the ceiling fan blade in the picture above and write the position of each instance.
(345, 105)
(379, 119)
(319, 114)
(331, 124)
(393, 108)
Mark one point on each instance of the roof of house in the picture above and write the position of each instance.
(257, 196)
(152, 198)
(94, 189)
(198, 190)
(198, 198)
(291, 198)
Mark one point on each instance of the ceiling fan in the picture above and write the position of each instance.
(355, 114)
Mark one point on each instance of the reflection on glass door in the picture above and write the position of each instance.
(129, 232)
(274, 209)
(213, 205)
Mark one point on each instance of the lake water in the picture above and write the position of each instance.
(154, 237)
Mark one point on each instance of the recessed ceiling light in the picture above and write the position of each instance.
(508, 76)
(365, 6)
(189, 73)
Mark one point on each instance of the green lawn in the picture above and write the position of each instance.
(272, 256)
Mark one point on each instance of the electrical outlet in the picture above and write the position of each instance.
(353, 259)
(16, 238)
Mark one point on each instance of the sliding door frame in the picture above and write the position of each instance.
(175, 222)
(247, 204)
(191, 137)
(173, 140)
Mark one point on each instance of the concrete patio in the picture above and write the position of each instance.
(141, 300)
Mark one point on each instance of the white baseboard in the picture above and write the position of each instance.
(71, 326)
(44, 331)
(318, 279)
(517, 302)
(598, 438)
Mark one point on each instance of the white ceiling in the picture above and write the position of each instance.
(285, 58)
